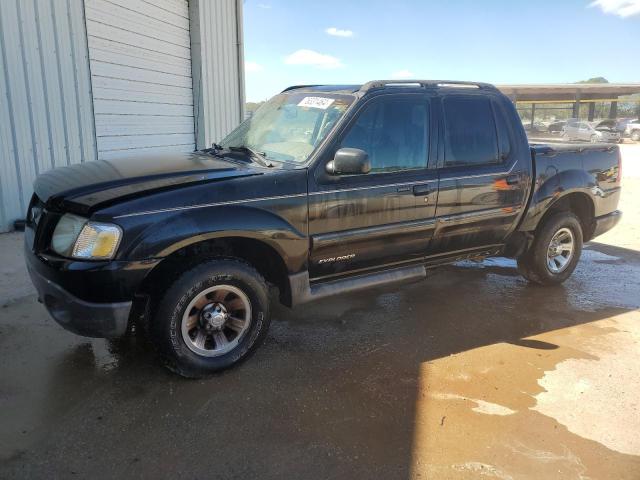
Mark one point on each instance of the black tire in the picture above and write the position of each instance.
(635, 136)
(533, 263)
(166, 328)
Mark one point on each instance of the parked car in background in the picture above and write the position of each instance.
(556, 127)
(617, 124)
(584, 131)
(633, 130)
(537, 127)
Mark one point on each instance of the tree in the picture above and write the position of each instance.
(595, 80)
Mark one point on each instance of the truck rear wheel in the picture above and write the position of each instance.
(635, 136)
(555, 251)
(212, 317)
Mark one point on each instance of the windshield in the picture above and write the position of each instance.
(290, 126)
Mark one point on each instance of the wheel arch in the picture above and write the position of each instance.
(570, 190)
(257, 252)
(577, 202)
(259, 237)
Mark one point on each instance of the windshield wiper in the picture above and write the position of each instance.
(215, 150)
(258, 157)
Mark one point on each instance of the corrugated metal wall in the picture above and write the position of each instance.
(218, 67)
(142, 86)
(46, 117)
(140, 59)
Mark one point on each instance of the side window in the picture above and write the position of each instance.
(470, 131)
(393, 133)
(504, 137)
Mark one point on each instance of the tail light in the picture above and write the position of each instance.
(619, 178)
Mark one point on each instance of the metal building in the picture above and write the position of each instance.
(101, 79)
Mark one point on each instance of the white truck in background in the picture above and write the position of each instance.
(633, 130)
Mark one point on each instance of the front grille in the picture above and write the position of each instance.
(35, 212)
(39, 225)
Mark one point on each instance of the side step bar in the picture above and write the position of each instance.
(302, 291)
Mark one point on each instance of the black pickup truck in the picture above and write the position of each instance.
(325, 190)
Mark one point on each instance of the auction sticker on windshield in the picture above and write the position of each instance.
(316, 102)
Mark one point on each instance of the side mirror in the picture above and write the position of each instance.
(349, 161)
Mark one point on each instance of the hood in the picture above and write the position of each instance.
(84, 186)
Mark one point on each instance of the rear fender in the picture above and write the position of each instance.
(551, 188)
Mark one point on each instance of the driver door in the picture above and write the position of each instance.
(385, 217)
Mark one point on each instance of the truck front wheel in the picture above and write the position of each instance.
(555, 250)
(212, 317)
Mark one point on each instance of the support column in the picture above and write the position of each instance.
(592, 111)
(533, 114)
(613, 110)
(217, 68)
(576, 106)
(576, 109)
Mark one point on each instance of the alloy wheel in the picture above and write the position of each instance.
(216, 320)
(560, 250)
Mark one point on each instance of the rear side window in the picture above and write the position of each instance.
(470, 131)
(394, 134)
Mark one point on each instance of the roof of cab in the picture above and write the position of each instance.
(325, 88)
(377, 84)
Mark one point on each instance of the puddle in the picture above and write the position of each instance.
(596, 398)
(482, 406)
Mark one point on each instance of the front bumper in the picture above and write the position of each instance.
(93, 299)
(104, 320)
(606, 222)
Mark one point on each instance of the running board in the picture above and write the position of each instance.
(302, 291)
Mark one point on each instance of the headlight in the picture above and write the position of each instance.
(79, 238)
(66, 233)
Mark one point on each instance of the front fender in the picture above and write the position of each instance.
(171, 231)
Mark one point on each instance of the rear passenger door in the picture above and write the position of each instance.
(483, 179)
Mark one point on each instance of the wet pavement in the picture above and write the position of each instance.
(472, 373)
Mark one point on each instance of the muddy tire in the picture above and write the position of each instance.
(555, 250)
(211, 318)
(635, 136)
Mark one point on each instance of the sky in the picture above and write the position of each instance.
(291, 42)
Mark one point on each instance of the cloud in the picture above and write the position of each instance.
(312, 58)
(251, 67)
(621, 8)
(336, 32)
(402, 74)
(266, 6)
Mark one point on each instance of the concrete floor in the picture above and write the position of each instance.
(472, 373)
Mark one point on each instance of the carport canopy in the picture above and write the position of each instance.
(576, 94)
(566, 93)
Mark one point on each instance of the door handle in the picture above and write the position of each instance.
(421, 190)
(513, 180)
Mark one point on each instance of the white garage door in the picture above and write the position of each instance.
(140, 57)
